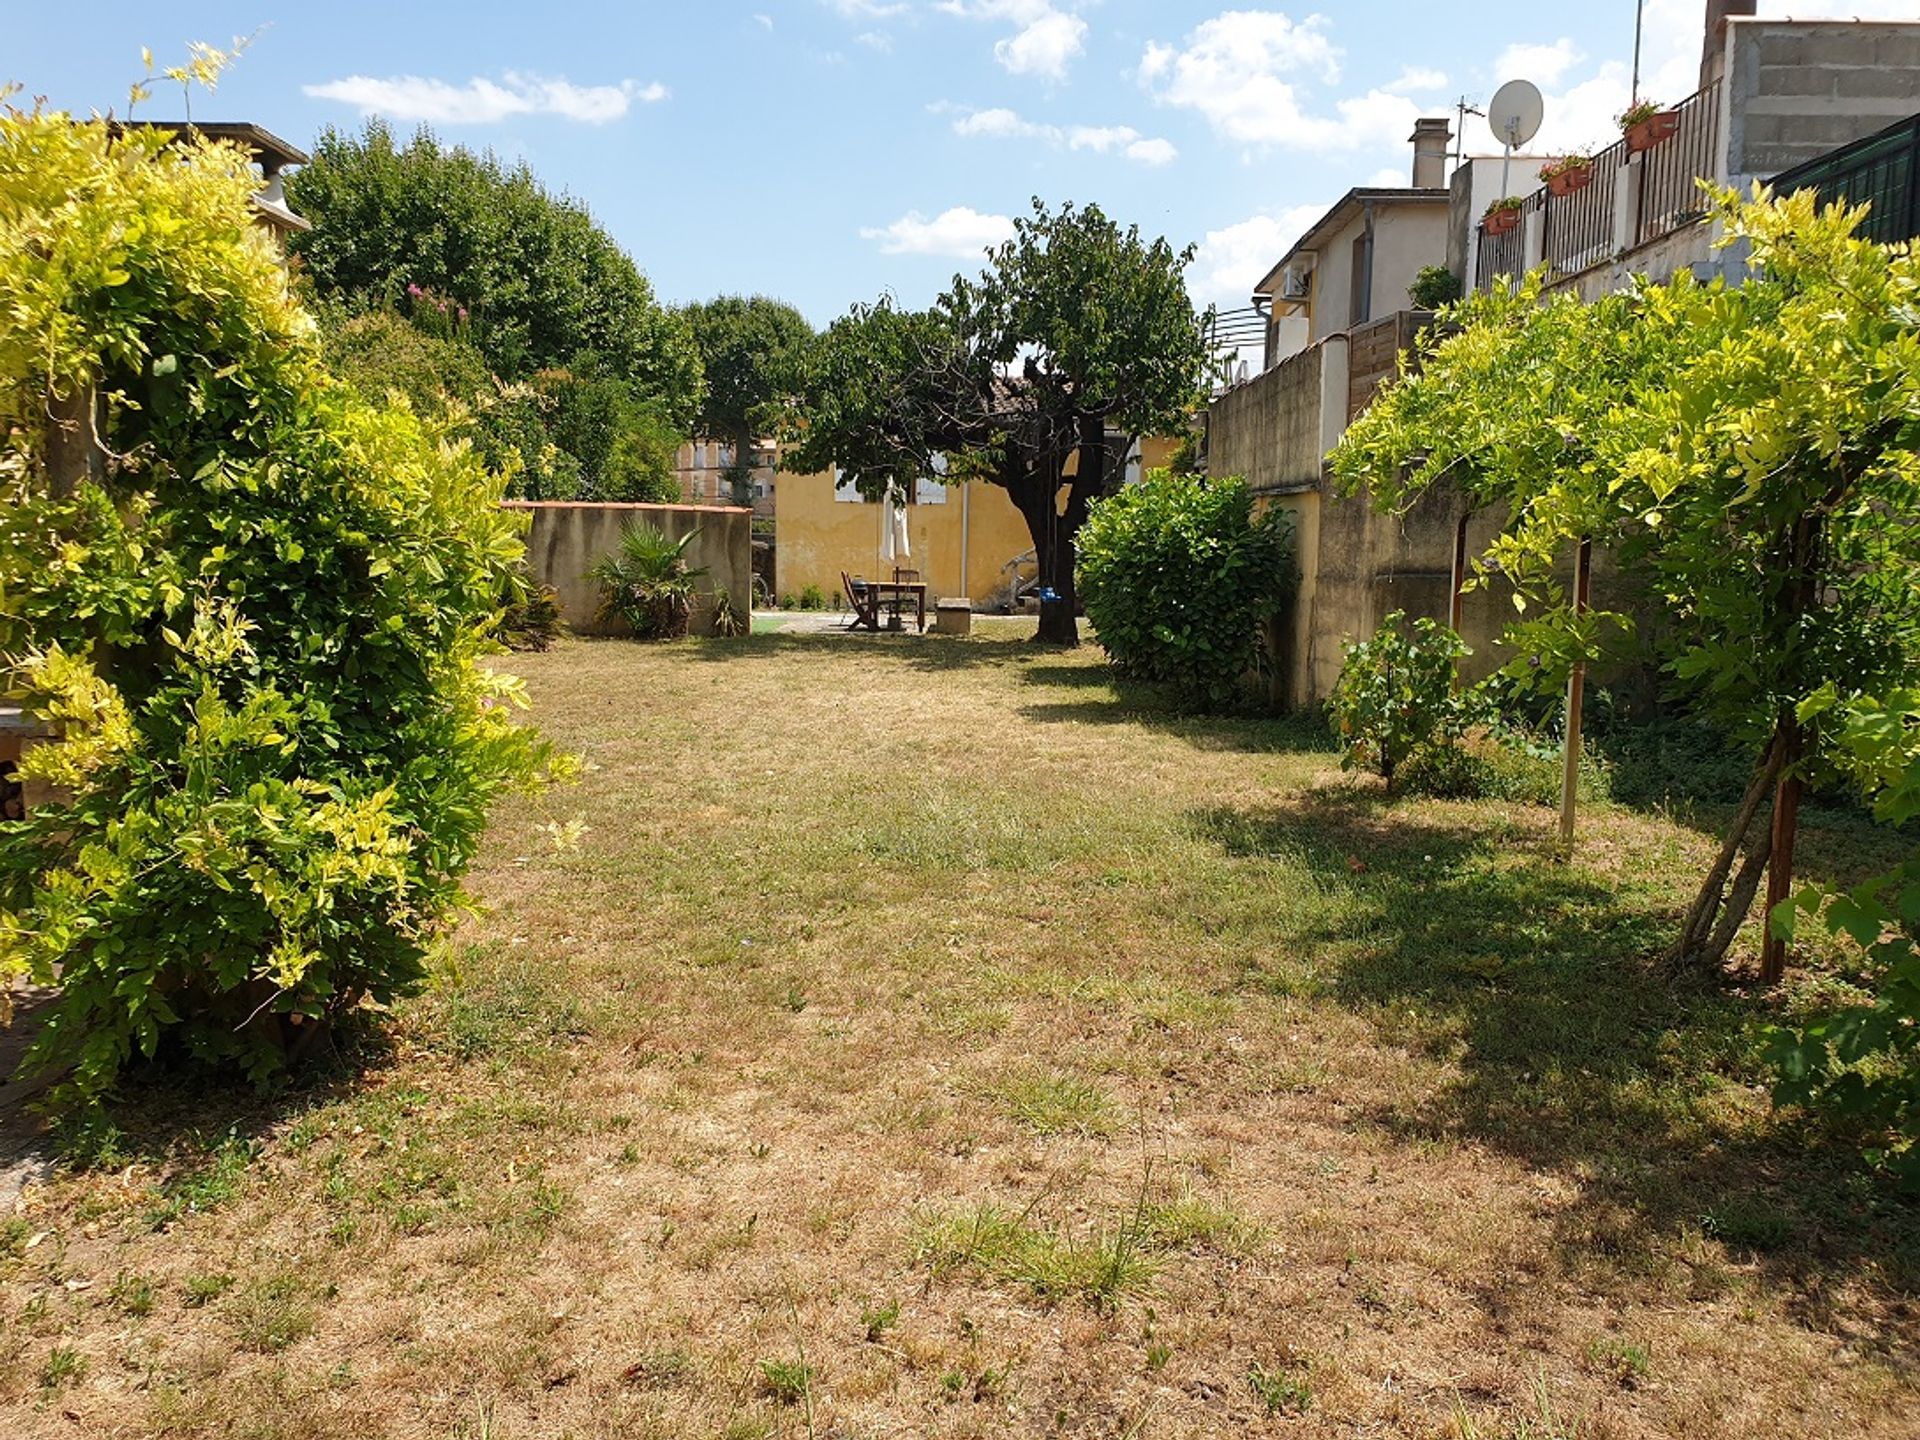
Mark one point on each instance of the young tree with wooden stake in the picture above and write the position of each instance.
(1747, 453)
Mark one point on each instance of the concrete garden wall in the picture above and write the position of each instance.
(567, 538)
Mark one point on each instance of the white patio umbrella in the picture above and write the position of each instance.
(894, 545)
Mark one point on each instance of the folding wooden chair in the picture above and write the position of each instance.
(863, 601)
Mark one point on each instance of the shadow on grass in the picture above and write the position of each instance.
(1576, 1054)
(1108, 700)
(919, 652)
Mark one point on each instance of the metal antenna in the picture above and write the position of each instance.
(1460, 130)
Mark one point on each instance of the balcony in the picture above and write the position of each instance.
(1632, 203)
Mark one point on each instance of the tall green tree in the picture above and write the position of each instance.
(1038, 376)
(751, 351)
(538, 277)
(1749, 454)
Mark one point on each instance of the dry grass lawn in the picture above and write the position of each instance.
(923, 1042)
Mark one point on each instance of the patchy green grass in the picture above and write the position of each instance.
(990, 1052)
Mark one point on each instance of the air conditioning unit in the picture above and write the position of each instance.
(1296, 283)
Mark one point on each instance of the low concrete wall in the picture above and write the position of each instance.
(566, 539)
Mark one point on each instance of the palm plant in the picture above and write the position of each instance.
(648, 583)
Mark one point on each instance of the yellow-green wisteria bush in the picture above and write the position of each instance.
(257, 615)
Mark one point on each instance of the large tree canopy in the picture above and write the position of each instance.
(1748, 451)
(751, 349)
(541, 281)
(1038, 376)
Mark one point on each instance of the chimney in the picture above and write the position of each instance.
(1430, 139)
(1713, 44)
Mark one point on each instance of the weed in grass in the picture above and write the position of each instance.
(658, 1370)
(272, 1312)
(132, 1293)
(1543, 1424)
(513, 1011)
(876, 1320)
(787, 1381)
(629, 1154)
(1188, 1222)
(208, 1185)
(1158, 1353)
(1625, 1364)
(1747, 1224)
(1100, 1268)
(1282, 1391)
(203, 1288)
(65, 1366)
(1053, 1104)
(15, 1231)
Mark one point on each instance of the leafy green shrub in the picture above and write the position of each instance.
(813, 598)
(531, 618)
(256, 612)
(1860, 1063)
(648, 583)
(1395, 697)
(1432, 287)
(1178, 575)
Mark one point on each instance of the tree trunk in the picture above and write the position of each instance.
(1697, 930)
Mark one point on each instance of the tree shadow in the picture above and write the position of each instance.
(1112, 701)
(927, 652)
(1577, 1054)
(178, 1115)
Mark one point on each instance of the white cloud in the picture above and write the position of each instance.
(1003, 124)
(1155, 152)
(867, 9)
(1045, 40)
(1544, 65)
(1416, 79)
(874, 40)
(1236, 70)
(1044, 47)
(1231, 261)
(961, 232)
(766, 21)
(483, 102)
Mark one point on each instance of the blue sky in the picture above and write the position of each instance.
(827, 150)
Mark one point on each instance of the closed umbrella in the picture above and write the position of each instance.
(894, 545)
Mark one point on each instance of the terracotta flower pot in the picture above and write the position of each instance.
(1652, 130)
(1501, 222)
(1568, 181)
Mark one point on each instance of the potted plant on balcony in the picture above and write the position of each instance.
(1502, 216)
(1645, 125)
(1567, 174)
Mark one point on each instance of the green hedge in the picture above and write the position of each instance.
(1178, 574)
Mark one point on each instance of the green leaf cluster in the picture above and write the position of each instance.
(258, 618)
(1178, 576)
(648, 583)
(477, 293)
(1396, 699)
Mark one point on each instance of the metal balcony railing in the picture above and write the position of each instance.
(1671, 172)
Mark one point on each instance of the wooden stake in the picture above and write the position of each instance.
(1457, 598)
(1786, 821)
(1576, 687)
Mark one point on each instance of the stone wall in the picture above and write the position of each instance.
(1268, 430)
(565, 539)
(1799, 88)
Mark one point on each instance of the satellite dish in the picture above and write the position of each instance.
(1516, 112)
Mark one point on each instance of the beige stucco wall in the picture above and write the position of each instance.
(818, 536)
(565, 539)
(1407, 235)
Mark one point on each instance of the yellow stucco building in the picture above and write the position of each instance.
(964, 538)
